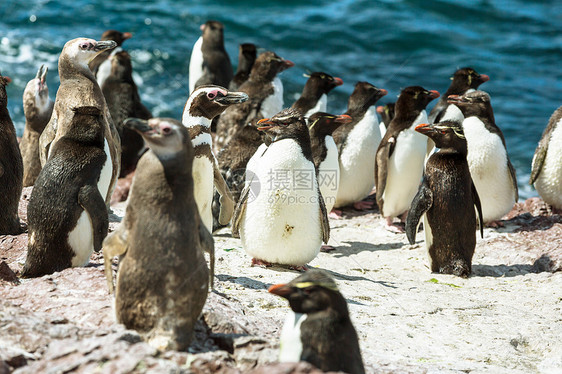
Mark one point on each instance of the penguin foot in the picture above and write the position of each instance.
(495, 224)
(327, 248)
(301, 268)
(258, 262)
(363, 205)
(395, 227)
(336, 214)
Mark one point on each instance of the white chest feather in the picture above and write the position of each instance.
(203, 182)
(273, 104)
(452, 113)
(81, 240)
(405, 169)
(320, 106)
(104, 70)
(282, 222)
(328, 174)
(549, 181)
(195, 64)
(357, 160)
(106, 171)
(290, 349)
(382, 129)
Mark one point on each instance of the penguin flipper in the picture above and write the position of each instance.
(513, 179)
(240, 211)
(226, 200)
(46, 139)
(538, 161)
(421, 204)
(208, 245)
(324, 222)
(93, 203)
(115, 244)
(385, 150)
(478, 205)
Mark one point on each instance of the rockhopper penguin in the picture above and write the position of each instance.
(314, 97)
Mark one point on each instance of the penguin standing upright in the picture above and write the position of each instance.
(67, 215)
(357, 143)
(210, 63)
(387, 114)
(492, 172)
(100, 65)
(37, 107)
(286, 222)
(78, 88)
(314, 96)
(401, 154)
(318, 330)
(123, 101)
(246, 57)
(546, 172)
(204, 104)
(163, 279)
(11, 168)
(446, 199)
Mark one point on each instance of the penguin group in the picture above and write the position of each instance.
(240, 155)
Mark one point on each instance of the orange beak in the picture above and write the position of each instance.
(280, 290)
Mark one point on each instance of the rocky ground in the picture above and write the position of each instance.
(505, 318)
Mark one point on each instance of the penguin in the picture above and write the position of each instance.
(314, 94)
(37, 108)
(318, 328)
(246, 57)
(401, 154)
(11, 168)
(387, 114)
(123, 101)
(286, 222)
(100, 65)
(204, 104)
(163, 278)
(67, 216)
(357, 143)
(448, 202)
(546, 173)
(210, 63)
(488, 161)
(325, 153)
(265, 92)
(79, 88)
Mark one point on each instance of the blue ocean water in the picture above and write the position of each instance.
(390, 43)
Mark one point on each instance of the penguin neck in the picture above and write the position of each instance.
(406, 116)
(69, 69)
(302, 137)
(177, 174)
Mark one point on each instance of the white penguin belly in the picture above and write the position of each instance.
(81, 240)
(273, 104)
(195, 64)
(106, 172)
(104, 70)
(320, 106)
(282, 223)
(357, 160)
(328, 174)
(290, 343)
(428, 238)
(487, 161)
(405, 169)
(549, 181)
(203, 182)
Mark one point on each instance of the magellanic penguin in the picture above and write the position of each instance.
(67, 216)
(286, 222)
(318, 329)
(210, 63)
(401, 154)
(446, 199)
(387, 114)
(464, 80)
(357, 143)
(123, 101)
(37, 107)
(246, 57)
(204, 104)
(314, 97)
(492, 172)
(163, 279)
(11, 168)
(265, 92)
(78, 88)
(100, 65)
(546, 172)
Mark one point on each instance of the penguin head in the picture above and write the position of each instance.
(465, 79)
(248, 53)
(322, 83)
(213, 31)
(117, 36)
(209, 101)
(288, 123)
(415, 98)
(82, 50)
(40, 82)
(446, 134)
(475, 103)
(268, 65)
(310, 292)
(386, 112)
(322, 124)
(166, 137)
(364, 96)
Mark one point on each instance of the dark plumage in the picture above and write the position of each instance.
(118, 37)
(246, 57)
(318, 84)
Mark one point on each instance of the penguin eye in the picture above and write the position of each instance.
(211, 95)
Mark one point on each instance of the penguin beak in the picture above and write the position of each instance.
(343, 119)
(455, 99)
(380, 109)
(127, 35)
(267, 122)
(139, 125)
(104, 44)
(338, 81)
(424, 128)
(287, 64)
(382, 92)
(434, 94)
(282, 290)
(232, 98)
(7, 80)
(484, 78)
